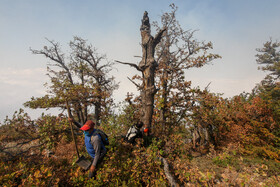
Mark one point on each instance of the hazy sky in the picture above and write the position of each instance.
(235, 27)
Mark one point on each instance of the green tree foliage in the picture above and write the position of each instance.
(52, 129)
(269, 89)
(269, 58)
(20, 135)
(81, 78)
(19, 128)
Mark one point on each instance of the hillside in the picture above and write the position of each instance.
(139, 165)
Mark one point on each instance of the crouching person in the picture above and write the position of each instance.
(134, 132)
(94, 146)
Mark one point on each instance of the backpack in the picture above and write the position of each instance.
(103, 136)
(132, 134)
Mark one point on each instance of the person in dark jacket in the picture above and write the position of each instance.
(94, 145)
(134, 132)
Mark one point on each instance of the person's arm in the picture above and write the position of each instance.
(128, 133)
(75, 122)
(96, 143)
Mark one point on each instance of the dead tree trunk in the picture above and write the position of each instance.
(148, 67)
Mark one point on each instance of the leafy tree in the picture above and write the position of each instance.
(80, 79)
(269, 88)
(269, 59)
(242, 121)
(209, 118)
(177, 52)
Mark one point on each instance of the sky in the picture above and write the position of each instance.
(235, 27)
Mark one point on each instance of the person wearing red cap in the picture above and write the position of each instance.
(94, 145)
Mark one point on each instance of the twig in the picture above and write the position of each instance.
(49, 184)
(137, 85)
(207, 86)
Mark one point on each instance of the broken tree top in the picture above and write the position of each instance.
(145, 22)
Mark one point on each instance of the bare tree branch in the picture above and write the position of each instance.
(131, 64)
(159, 36)
(137, 85)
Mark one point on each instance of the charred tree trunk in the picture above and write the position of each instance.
(148, 67)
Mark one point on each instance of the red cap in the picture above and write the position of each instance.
(88, 125)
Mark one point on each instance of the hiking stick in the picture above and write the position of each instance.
(70, 116)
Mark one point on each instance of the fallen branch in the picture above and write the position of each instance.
(19, 145)
(168, 175)
(14, 156)
(167, 172)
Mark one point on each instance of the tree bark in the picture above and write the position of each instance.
(148, 67)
